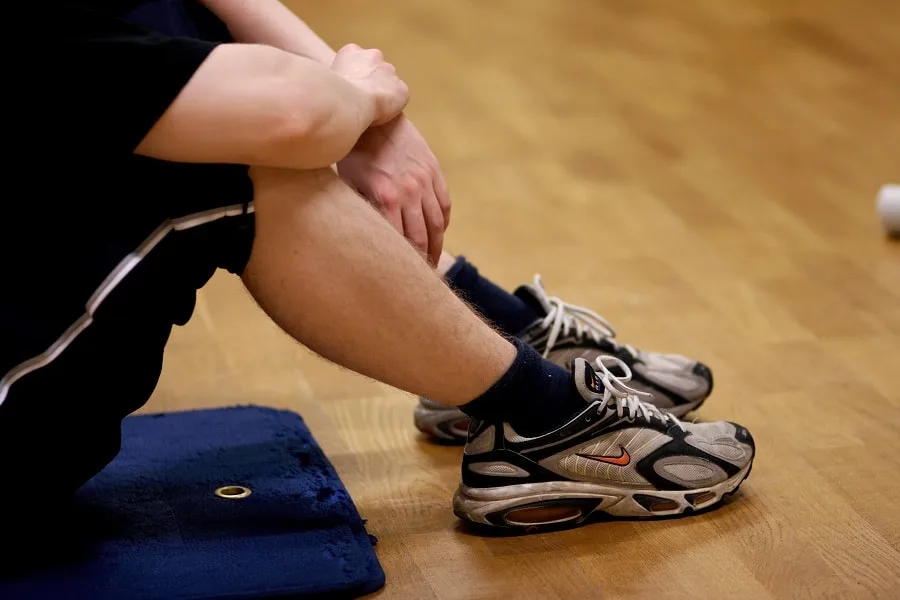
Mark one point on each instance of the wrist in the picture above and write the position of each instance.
(366, 107)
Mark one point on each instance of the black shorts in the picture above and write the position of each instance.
(92, 284)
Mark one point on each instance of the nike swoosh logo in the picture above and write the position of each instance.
(621, 460)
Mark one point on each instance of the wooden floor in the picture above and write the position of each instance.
(703, 174)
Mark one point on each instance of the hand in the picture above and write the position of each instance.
(393, 168)
(367, 70)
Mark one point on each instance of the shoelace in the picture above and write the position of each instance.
(615, 390)
(562, 318)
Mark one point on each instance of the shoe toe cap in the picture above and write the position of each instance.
(705, 373)
(742, 434)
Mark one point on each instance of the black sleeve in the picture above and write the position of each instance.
(105, 81)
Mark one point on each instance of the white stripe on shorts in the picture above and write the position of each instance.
(121, 270)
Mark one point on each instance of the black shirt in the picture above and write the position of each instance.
(96, 81)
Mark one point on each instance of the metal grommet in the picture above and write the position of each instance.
(233, 492)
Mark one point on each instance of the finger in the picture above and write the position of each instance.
(414, 226)
(443, 196)
(434, 221)
(394, 217)
(386, 201)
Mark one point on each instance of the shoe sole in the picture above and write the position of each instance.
(536, 507)
(450, 425)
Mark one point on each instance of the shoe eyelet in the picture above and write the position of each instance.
(233, 492)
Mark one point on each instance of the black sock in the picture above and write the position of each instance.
(506, 311)
(534, 396)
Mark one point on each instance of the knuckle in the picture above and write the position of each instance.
(422, 176)
(419, 240)
(411, 186)
(388, 197)
(437, 223)
(443, 194)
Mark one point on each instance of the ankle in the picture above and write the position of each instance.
(534, 395)
(503, 310)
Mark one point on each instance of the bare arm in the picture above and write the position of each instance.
(270, 22)
(390, 165)
(280, 99)
(257, 105)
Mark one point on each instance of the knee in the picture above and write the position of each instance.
(297, 183)
(292, 202)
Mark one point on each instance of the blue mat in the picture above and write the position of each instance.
(151, 526)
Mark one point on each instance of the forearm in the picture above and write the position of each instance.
(258, 105)
(270, 22)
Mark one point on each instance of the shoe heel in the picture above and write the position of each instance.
(448, 426)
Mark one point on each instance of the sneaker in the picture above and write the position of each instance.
(620, 456)
(677, 384)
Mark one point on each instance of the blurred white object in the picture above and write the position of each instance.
(889, 208)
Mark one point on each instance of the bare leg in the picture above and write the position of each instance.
(336, 277)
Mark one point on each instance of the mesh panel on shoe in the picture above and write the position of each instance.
(510, 434)
(483, 443)
(672, 372)
(497, 469)
(690, 471)
(719, 440)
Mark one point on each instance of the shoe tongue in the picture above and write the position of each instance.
(531, 296)
(586, 381)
